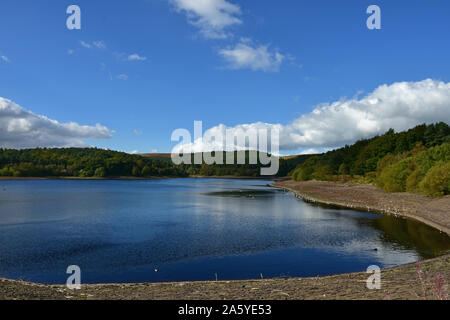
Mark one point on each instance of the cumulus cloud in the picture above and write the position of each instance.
(136, 57)
(5, 58)
(400, 106)
(212, 17)
(245, 55)
(20, 128)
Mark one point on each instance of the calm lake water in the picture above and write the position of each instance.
(192, 229)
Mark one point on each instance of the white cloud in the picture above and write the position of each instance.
(20, 128)
(212, 17)
(136, 57)
(310, 151)
(99, 44)
(122, 77)
(400, 106)
(70, 51)
(85, 44)
(245, 55)
(137, 132)
(5, 58)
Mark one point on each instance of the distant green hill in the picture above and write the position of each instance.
(92, 162)
(417, 160)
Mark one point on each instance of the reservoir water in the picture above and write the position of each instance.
(192, 229)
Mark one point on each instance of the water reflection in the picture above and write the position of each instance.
(427, 241)
(249, 193)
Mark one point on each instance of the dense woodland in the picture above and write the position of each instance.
(417, 160)
(76, 162)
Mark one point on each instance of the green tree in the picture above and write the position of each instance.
(437, 180)
(100, 172)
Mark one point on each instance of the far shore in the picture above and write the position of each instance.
(138, 178)
(83, 178)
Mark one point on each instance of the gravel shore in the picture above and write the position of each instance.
(396, 283)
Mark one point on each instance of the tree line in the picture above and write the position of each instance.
(417, 160)
(93, 162)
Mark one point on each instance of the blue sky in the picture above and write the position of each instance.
(143, 68)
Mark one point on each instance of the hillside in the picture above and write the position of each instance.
(99, 163)
(417, 160)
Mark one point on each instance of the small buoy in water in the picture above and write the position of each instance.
(156, 270)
